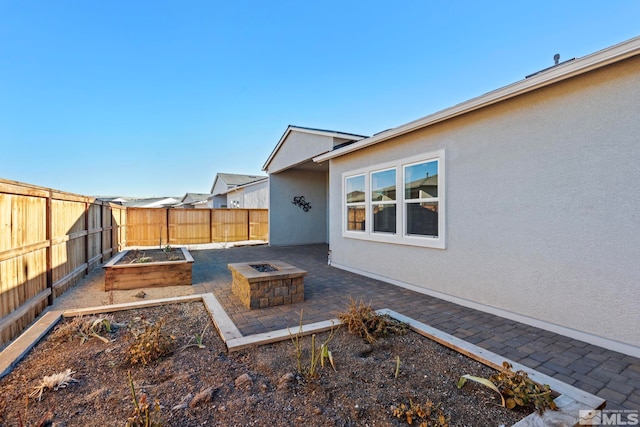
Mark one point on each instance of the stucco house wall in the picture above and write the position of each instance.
(288, 223)
(252, 196)
(542, 218)
(218, 201)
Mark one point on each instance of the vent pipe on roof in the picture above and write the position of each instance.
(556, 58)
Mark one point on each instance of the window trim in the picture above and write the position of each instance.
(399, 237)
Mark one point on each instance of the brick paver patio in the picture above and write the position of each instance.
(605, 373)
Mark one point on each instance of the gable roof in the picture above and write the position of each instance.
(533, 82)
(234, 180)
(196, 197)
(321, 132)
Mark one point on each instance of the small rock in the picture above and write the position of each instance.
(222, 408)
(244, 382)
(140, 294)
(286, 381)
(317, 411)
(203, 396)
(264, 387)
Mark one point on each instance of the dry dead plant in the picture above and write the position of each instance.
(53, 382)
(364, 321)
(85, 328)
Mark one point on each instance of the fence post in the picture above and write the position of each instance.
(167, 225)
(49, 250)
(86, 239)
(248, 224)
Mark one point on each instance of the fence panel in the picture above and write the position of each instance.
(68, 243)
(121, 234)
(229, 225)
(259, 224)
(147, 227)
(189, 226)
(23, 261)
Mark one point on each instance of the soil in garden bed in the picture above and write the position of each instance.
(142, 256)
(258, 386)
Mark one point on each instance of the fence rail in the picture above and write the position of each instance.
(49, 240)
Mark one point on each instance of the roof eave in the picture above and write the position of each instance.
(565, 71)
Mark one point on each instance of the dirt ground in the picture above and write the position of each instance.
(258, 386)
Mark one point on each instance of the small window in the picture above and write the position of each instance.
(421, 199)
(355, 200)
(383, 201)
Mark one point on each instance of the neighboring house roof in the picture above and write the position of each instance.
(239, 187)
(232, 180)
(533, 82)
(323, 132)
(151, 202)
(194, 197)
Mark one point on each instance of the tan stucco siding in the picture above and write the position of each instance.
(542, 216)
(299, 147)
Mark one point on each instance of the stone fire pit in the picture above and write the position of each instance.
(262, 284)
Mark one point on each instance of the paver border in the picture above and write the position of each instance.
(570, 401)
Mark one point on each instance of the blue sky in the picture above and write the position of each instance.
(140, 98)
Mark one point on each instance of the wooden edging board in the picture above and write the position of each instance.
(570, 402)
(14, 352)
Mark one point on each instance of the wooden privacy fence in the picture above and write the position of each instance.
(48, 241)
(159, 227)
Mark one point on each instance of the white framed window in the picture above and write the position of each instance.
(421, 201)
(383, 201)
(400, 202)
(356, 212)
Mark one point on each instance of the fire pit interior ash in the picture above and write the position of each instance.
(264, 268)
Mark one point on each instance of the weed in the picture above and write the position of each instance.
(53, 382)
(136, 256)
(144, 415)
(85, 328)
(427, 414)
(520, 390)
(516, 389)
(150, 344)
(363, 320)
(397, 367)
(318, 355)
(196, 340)
(167, 249)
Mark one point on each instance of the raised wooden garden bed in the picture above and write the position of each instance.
(262, 284)
(148, 269)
